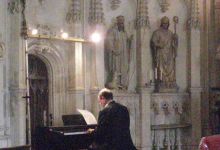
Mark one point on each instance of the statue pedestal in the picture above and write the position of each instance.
(170, 119)
(166, 88)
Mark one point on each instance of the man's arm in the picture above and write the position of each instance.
(102, 128)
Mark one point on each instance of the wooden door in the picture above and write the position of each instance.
(38, 80)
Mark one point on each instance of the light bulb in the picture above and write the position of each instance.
(95, 37)
(34, 31)
(64, 35)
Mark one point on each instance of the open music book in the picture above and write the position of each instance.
(88, 116)
(89, 119)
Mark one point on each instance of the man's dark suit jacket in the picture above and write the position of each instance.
(112, 132)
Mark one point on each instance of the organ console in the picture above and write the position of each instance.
(72, 136)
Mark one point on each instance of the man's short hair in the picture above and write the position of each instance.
(106, 93)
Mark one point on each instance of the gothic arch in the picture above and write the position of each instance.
(53, 60)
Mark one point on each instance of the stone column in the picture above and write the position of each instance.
(194, 23)
(145, 125)
(144, 68)
(196, 116)
(17, 72)
(96, 22)
(144, 59)
(75, 57)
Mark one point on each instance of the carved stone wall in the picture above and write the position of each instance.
(74, 83)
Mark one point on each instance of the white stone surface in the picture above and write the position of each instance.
(75, 78)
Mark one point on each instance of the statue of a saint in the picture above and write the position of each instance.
(164, 45)
(117, 55)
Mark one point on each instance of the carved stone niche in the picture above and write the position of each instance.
(115, 4)
(164, 5)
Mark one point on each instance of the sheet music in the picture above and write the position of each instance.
(88, 116)
(75, 133)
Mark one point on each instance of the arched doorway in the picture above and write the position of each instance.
(39, 98)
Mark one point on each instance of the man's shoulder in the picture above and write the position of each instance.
(120, 106)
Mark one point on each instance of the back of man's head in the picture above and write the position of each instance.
(106, 93)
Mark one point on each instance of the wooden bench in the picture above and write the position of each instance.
(23, 147)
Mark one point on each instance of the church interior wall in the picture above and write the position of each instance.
(77, 70)
(4, 93)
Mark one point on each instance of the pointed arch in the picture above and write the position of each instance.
(53, 60)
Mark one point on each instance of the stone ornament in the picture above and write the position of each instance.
(115, 4)
(74, 14)
(194, 20)
(41, 47)
(96, 15)
(142, 14)
(165, 107)
(155, 108)
(177, 108)
(164, 5)
(13, 6)
(45, 30)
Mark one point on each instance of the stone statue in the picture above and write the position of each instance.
(117, 55)
(164, 45)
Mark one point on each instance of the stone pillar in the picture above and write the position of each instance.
(194, 23)
(17, 72)
(145, 111)
(2, 102)
(144, 60)
(144, 68)
(76, 58)
(196, 116)
(18, 117)
(96, 21)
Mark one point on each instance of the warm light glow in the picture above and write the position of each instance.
(64, 35)
(96, 37)
(34, 31)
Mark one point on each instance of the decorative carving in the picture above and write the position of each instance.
(177, 108)
(142, 14)
(194, 21)
(155, 107)
(115, 4)
(13, 6)
(164, 5)
(42, 46)
(44, 30)
(74, 14)
(96, 15)
(165, 108)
